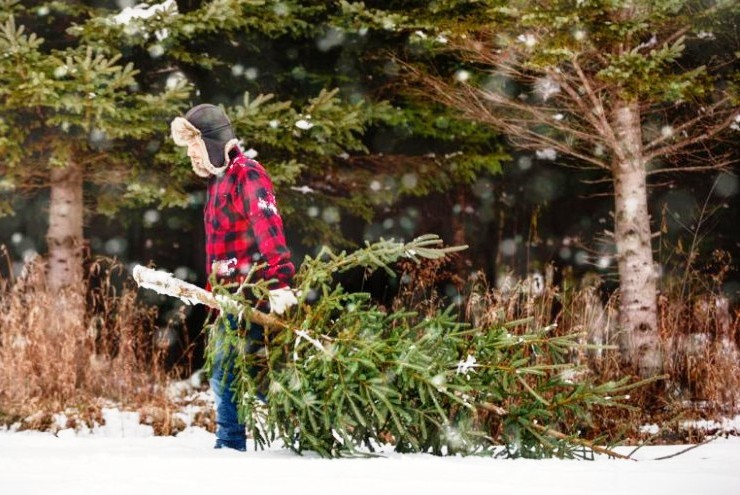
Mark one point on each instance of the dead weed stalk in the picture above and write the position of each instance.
(53, 361)
(700, 335)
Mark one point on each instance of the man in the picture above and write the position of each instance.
(243, 228)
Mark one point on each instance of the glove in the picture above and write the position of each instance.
(282, 299)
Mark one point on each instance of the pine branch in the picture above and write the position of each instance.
(378, 255)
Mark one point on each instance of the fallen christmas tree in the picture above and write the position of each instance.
(343, 376)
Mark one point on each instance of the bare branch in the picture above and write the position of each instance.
(585, 111)
(697, 168)
(688, 124)
(599, 109)
(533, 140)
(531, 114)
(704, 135)
(516, 118)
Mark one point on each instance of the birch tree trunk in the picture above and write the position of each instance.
(638, 321)
(64, 237)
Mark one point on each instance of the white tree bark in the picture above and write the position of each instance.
(64, 237)
(638, 315)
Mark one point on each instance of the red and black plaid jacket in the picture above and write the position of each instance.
(243, 227)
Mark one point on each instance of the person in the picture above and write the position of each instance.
(243, 229)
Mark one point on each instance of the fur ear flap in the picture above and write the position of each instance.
(230, 145)
(186, 134)
(183, 132)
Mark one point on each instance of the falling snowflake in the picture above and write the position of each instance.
(175, 79)
(547, 154)
(546, 88)
(604, 262)
(61, 71)
(735, 126)
(462, 75)
(303, 124)
(528, 39)
(631, 205)
(302, 189)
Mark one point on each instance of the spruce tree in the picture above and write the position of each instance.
(343, 376)
(72, 114)
(612, 86)
(314, 90)
(87, 102)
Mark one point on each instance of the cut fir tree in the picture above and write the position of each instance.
(343, 376)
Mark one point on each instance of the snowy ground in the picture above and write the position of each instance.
(123, 457)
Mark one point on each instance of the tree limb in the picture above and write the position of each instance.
(704, 135)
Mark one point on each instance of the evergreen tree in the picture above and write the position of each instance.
(71, 113)
(312, 86)
(343, 376)
(606, 85)
(92, 106)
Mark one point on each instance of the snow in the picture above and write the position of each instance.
(303, 124)
(528, 39)
(165, 283)
(648, 44)
(631, 205)
(464, 367)
(267, 205)
(142, 11)
(546, 87)
(302, 189)
(462, 75)
(579, 35)
(547, 154)
(303, 334)
(124, 457)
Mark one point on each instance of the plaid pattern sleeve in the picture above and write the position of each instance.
(243, 226)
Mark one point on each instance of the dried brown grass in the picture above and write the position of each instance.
(700, 336)
(54, 359)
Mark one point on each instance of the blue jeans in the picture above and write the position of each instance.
(230, 431)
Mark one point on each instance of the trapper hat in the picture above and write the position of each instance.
(207, 128)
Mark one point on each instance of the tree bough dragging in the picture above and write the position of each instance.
(343, 376)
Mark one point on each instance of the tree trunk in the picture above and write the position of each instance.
(638, 321)
(64, 238)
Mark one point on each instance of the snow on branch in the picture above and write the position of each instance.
(169, 285)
